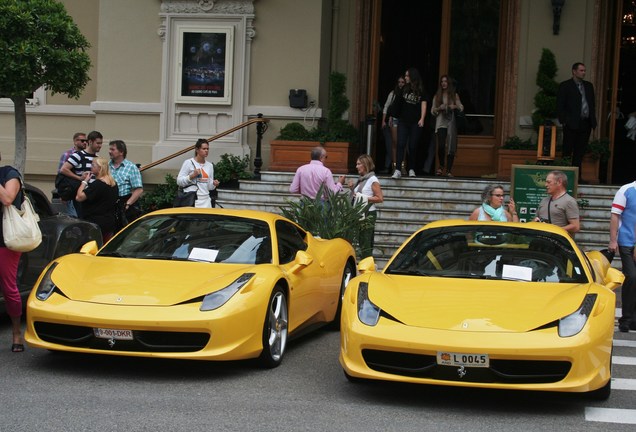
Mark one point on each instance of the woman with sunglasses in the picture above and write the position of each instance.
(492, 206)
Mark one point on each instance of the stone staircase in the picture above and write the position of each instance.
(410, 203)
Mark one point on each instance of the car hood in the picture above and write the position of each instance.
(140, 282)
(474, 305)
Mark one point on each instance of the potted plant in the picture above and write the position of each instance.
(335, 217)
(293, 146)
(162, 196)
(230, 169)
(514, 151)
(598, 152)
(545, 99)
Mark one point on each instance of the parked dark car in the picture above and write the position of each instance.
(61, 235)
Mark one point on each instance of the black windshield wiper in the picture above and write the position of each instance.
(411, 273)
(113, 254)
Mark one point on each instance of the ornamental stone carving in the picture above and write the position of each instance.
(228, 7)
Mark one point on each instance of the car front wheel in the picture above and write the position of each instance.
(348, 273)
(275, 329)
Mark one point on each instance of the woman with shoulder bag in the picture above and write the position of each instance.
(389, 126)
(197, 174)
(367, 189)
(11, 194)
(446, 103)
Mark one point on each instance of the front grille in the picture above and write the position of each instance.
(143, 340)
(499, 372)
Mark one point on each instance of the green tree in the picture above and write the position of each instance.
(40, 45)
(545, 99)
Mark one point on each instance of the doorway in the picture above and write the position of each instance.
(410, 34)
(438, 37)
(624, 153)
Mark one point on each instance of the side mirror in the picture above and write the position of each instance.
(614, 278)
(90, 248)
(366, 265)
(302, 260)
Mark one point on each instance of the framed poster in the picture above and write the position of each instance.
(527, 186)
(204, 67)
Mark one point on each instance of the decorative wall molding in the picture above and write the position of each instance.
(111, 107)
(232, 7)
(185, 120)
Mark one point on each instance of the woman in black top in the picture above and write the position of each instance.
(411, 111)
(99, 197)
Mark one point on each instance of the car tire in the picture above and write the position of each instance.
(275, 329)
(352, 379)
(603, 393)
(347, 274)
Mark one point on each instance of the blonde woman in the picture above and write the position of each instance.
(99, 197)
(367, 189)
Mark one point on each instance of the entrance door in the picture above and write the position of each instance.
(457, 37)
(410, 37)
(624, 153)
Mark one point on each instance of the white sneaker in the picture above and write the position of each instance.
(411, 173)
(396, 174)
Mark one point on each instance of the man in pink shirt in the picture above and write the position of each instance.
(311, 176)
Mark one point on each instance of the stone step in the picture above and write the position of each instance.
(411, 203)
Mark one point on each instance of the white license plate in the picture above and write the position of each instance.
(461, 359)
(113, 334)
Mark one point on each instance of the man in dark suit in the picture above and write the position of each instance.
(576, 109)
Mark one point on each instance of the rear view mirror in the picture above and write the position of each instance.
(89, 248)
(614, 278)
(303, 259)
(366, 265)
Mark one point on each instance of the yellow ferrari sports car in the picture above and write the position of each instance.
(206, 284)
(484, 304)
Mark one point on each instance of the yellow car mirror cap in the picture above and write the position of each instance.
(303, 259)
(613, 278)
(366, 265)
(90, 248)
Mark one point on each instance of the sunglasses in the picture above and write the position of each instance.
(84, 140)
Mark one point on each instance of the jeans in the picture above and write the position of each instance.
(388, 143)
(408, 133)
(8, 281)
(628, 291)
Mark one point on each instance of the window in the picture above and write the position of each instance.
(474, 38)
(290, 241)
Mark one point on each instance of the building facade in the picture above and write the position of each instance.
(166, 72)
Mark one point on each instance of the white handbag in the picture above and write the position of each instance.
(20, 227)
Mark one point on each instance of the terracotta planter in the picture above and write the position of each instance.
(289, 155)
(506, 158)
(590, 169)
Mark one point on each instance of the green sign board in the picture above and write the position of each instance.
(527, 185)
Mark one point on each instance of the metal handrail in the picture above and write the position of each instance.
(260, 130)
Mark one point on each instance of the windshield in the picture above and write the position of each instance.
(194, 237)
(489, 252)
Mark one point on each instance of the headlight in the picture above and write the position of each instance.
(46, 286)
(573, 323)
(368, 313)
(218, 298)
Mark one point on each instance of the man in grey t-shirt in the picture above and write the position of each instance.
(559, 208)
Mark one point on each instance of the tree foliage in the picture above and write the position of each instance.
(334, 217)
(545, 99)
(40, 46)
